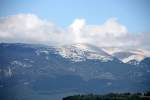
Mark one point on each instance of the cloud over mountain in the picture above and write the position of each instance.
(29, 28)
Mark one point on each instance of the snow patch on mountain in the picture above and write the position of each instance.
(7, 72)
(38, 52)
(21, 64)
(131, 56)
(81, 52)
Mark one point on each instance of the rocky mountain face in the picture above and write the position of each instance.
(42, 72)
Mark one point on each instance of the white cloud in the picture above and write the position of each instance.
(77, 25)
(29, 28)
(112, 26)
(75, 28)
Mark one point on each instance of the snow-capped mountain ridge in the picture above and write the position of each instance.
(128, 55)
(81, 52)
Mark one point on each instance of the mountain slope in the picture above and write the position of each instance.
(50, 70)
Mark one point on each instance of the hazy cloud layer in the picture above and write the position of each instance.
(28, 28)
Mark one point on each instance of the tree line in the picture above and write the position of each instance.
(111, 96)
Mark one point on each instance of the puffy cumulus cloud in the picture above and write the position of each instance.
(23, 27)
(75, 28)
(77, 25)
(29, 28)
(109, 34)
(110, 27)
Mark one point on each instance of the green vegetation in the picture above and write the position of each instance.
(111, 96)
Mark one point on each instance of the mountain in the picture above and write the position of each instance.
(81, 52)
(130, 56)
(32, 71)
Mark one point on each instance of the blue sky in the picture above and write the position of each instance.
(134, 14)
